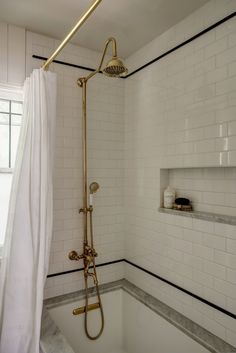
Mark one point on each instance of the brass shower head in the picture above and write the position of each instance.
(93, 187)
(115, 68)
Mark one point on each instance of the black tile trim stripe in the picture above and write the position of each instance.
(65, 63)
(216, 24)
(81, 269)
(224, 311)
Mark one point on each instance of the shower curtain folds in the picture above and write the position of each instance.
(26, 250)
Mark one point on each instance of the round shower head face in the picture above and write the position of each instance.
(115, 68)
(93, 187)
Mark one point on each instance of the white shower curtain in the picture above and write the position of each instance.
(29, 230)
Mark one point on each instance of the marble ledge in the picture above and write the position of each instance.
(205, 216)
(52, 340)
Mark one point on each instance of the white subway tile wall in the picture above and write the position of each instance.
(177, 113)
(105, 164)
(180, 113)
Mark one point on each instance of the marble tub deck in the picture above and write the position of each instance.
(53, 341)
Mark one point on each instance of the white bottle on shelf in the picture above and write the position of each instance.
(169, 197)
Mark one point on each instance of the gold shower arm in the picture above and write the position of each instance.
(71, 34)
(114, 54)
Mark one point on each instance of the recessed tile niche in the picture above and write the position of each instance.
(210, 189)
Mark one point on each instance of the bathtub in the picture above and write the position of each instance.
(135, 322)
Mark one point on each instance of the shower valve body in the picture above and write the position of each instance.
(88, 255)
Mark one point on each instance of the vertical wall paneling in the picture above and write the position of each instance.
(12, 54)
(16, 55)
(3, 52)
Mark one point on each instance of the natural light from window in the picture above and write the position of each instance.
(10, 122)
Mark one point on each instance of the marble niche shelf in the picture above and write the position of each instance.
(206, 216)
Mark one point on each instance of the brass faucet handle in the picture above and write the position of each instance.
(73, 255)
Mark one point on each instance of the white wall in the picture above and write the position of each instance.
(12, 57)
(180, 112)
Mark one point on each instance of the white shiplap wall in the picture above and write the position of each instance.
(12, 54)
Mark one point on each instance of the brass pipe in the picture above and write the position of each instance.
(85, 157)
(116, 68)
(71, 34)
(82, 82)
(114, 54)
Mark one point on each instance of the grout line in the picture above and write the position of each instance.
(195, 296)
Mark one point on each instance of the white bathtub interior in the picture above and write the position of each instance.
(130, 327)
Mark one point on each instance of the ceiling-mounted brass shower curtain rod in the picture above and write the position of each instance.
(71, 34)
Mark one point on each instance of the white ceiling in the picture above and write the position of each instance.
(133, 22)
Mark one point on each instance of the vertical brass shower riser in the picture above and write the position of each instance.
(114, 68)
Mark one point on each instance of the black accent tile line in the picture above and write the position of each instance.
(224, 311)
(81, 269)
(216, 307)
(214, 25)
(66, 63)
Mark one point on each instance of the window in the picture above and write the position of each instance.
(10, 122)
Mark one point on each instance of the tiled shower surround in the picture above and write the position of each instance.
(178, 113)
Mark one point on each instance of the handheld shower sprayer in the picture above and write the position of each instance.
(93, 187)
